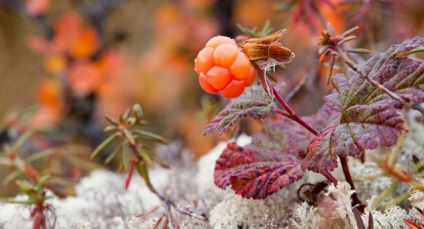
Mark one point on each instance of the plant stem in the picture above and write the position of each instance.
(385, 194)
(293, 114)
(283, 113)
(355, 198)
(330, 178)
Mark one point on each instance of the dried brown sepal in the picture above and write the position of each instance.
(267, 47)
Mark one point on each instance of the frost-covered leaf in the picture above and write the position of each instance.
(369, 116)
(285, 136)
(253, 103)
(254, 172)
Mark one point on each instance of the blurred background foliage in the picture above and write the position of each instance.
(64, 64)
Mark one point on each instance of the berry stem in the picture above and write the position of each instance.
(330, 178)
(293, 114)
(283, 113)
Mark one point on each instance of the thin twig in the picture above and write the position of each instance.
(330, 178)
(283, 113)
(330, 68)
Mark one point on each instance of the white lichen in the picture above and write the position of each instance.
(305, 216)
(341, 196)
(390, 218)
(238, 212)
(100, 198)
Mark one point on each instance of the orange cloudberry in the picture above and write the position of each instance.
(223, 68)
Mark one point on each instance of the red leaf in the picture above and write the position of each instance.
(253, 103)
(350, 139)
(254, 172)
(369, 116)
(288, 137)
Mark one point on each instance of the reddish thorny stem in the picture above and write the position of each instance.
(292, 115)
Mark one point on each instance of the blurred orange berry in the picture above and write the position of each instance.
(55, 64)
(85, 44)
(84, 78)
(223, 68)
(50, 93)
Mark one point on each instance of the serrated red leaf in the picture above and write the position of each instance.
(283, 135)
(253, 103)
(255, 173)
(369, 116)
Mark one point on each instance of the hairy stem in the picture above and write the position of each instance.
(330, 178)
(292, 114)
(281, 112)
(355, 199)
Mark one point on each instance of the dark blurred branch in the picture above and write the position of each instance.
(224, 14)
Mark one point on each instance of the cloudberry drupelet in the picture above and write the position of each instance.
(223, 68)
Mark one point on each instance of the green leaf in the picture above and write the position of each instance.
(369, 116)
(41, 182)
(112, 155)
(254, 103)
(126, 156)
(25, 186)
(21, 141)
(138, 112)
(110, 128)
(12, 176)
(129, 136)
(160, 162)
(149, 136)
(23, 202)
(6, 161)
(267, 29)
(125, 116)
(419, 49)
(146, 158)
(144, 172)
(131, 121)
(104, 144)
(111, 120)
(41, 154)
